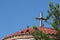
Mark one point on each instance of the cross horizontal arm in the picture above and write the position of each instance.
(41, 19)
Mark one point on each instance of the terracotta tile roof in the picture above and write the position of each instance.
(30, 30)
(48, 30)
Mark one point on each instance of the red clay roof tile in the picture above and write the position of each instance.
(30, 30)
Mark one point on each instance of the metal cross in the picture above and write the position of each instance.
(41, 19)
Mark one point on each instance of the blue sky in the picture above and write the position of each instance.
(16, 15)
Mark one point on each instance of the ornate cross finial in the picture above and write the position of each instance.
(41, 19)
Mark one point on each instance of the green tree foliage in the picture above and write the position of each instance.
(54, 16)
(39, 35)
